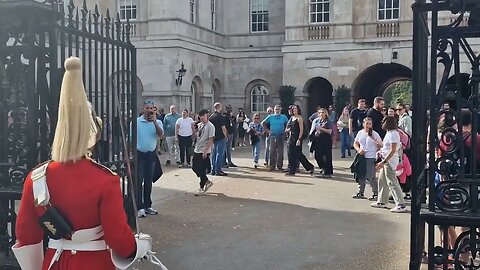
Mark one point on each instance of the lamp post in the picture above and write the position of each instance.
(181, 73)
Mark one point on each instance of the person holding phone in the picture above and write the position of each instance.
(148, 130)
(367, 142)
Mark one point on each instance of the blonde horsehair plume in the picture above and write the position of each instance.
(72, 134)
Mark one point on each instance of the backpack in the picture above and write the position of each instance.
(404, 139)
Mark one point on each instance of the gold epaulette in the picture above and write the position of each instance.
(103, 167)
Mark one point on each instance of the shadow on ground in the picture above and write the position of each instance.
(219, 232)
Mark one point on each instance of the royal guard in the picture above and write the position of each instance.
(73, 200)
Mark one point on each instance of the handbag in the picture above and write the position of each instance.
(245, 125)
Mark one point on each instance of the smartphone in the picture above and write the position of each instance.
(370, 132)
(150, 115)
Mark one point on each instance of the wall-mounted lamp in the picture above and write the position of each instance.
(181, 73)
(394, 56)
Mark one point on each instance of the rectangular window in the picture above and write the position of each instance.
(388, 10)
(127, 9)
(259, 15)
(193, 11)
(319, 11)
(213, 10)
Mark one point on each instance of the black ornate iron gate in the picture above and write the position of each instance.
(35, 39)
(446, 190)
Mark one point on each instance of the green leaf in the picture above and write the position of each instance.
(343, 96)
(287, 97)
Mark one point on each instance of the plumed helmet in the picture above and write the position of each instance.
(77, 127)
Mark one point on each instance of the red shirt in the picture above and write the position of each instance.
(467, 135)
(88, 195)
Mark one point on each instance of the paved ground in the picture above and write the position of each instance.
(255, 219)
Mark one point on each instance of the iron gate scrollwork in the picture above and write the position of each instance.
(35, 39)
(446, 189)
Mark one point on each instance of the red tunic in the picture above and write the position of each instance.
(87, 195)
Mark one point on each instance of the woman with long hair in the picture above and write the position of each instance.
(295, 155)
(345, 139)
(241, 118)
(320, 135)
(332, 116)
(387, 180)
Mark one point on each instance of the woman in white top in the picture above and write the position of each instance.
(367, 143)
(184, 130)
(387, 180)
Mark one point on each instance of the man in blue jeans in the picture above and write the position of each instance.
(267, 140)
(231, 131)
(148, 131)
(220, 121)
(274, 126)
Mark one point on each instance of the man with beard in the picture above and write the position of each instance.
(375, 113)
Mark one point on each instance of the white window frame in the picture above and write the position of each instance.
(259, 8)
(391, 9)
(259, 90)
(125, 6)
(193, 11)
(213, 10)
(320, 11)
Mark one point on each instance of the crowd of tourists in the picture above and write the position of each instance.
(204, 142)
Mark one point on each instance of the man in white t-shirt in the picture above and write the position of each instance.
(203, 148)
(185, 128)
(367, 143)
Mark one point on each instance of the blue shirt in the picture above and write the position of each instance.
(277, 123)
(169, 124)
(257, 127)
(147, 135)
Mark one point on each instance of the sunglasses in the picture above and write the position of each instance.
(256, 118)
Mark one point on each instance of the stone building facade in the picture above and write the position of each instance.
(240, 52)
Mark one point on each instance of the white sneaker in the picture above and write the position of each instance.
(399, 209)
(200, 192)
(141, 213)
(208, 185)
(151, 211)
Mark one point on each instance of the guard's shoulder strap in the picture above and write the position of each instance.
(103, 167)
(41, 195)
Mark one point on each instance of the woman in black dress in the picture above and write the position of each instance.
(295, 155)
(241, 116)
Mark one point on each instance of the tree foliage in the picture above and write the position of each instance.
(398, 92)
(342, 98)
(287, 97)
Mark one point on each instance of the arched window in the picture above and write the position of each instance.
(260, 97)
